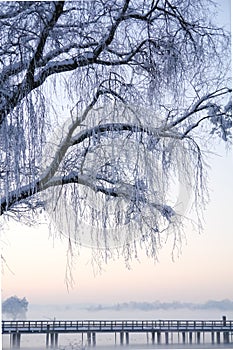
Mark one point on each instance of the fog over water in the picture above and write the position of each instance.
(130, 310)
(107, 341)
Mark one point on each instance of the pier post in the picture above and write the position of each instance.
(218, 337)
(190, 337)
(226, 338)
(47, 336)
(127, 338)
(18, 336)
(198, 337)
(15, 340)
(47, 340)
(212, 337)
(159, 337)
(52, 340)
(166, 337)
(121, 338)
(153, 337)
(183, 337)
(11, 340)
(94, 339)
(89, 338)
(225, 334)
(56, 340)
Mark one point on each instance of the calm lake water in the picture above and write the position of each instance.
(107, 341)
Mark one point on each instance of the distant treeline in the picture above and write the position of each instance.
(157, 305)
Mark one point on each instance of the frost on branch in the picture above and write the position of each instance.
(221, 117)
(126, 184)
(104, 111)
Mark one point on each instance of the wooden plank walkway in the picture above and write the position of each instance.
(123, 327)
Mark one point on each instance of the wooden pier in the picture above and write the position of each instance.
(189, 331)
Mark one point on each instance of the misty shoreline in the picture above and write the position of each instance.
(221, 305)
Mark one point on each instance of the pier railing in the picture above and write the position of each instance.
(116, 326)
(221, 331)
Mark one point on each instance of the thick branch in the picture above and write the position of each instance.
(43, 37)
(108, 39)
(118, 127)
(48, 180)
(30, 82)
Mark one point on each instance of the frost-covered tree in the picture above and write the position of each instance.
(103, 105)
(15, 307)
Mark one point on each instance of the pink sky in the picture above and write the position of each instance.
(202, 272)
